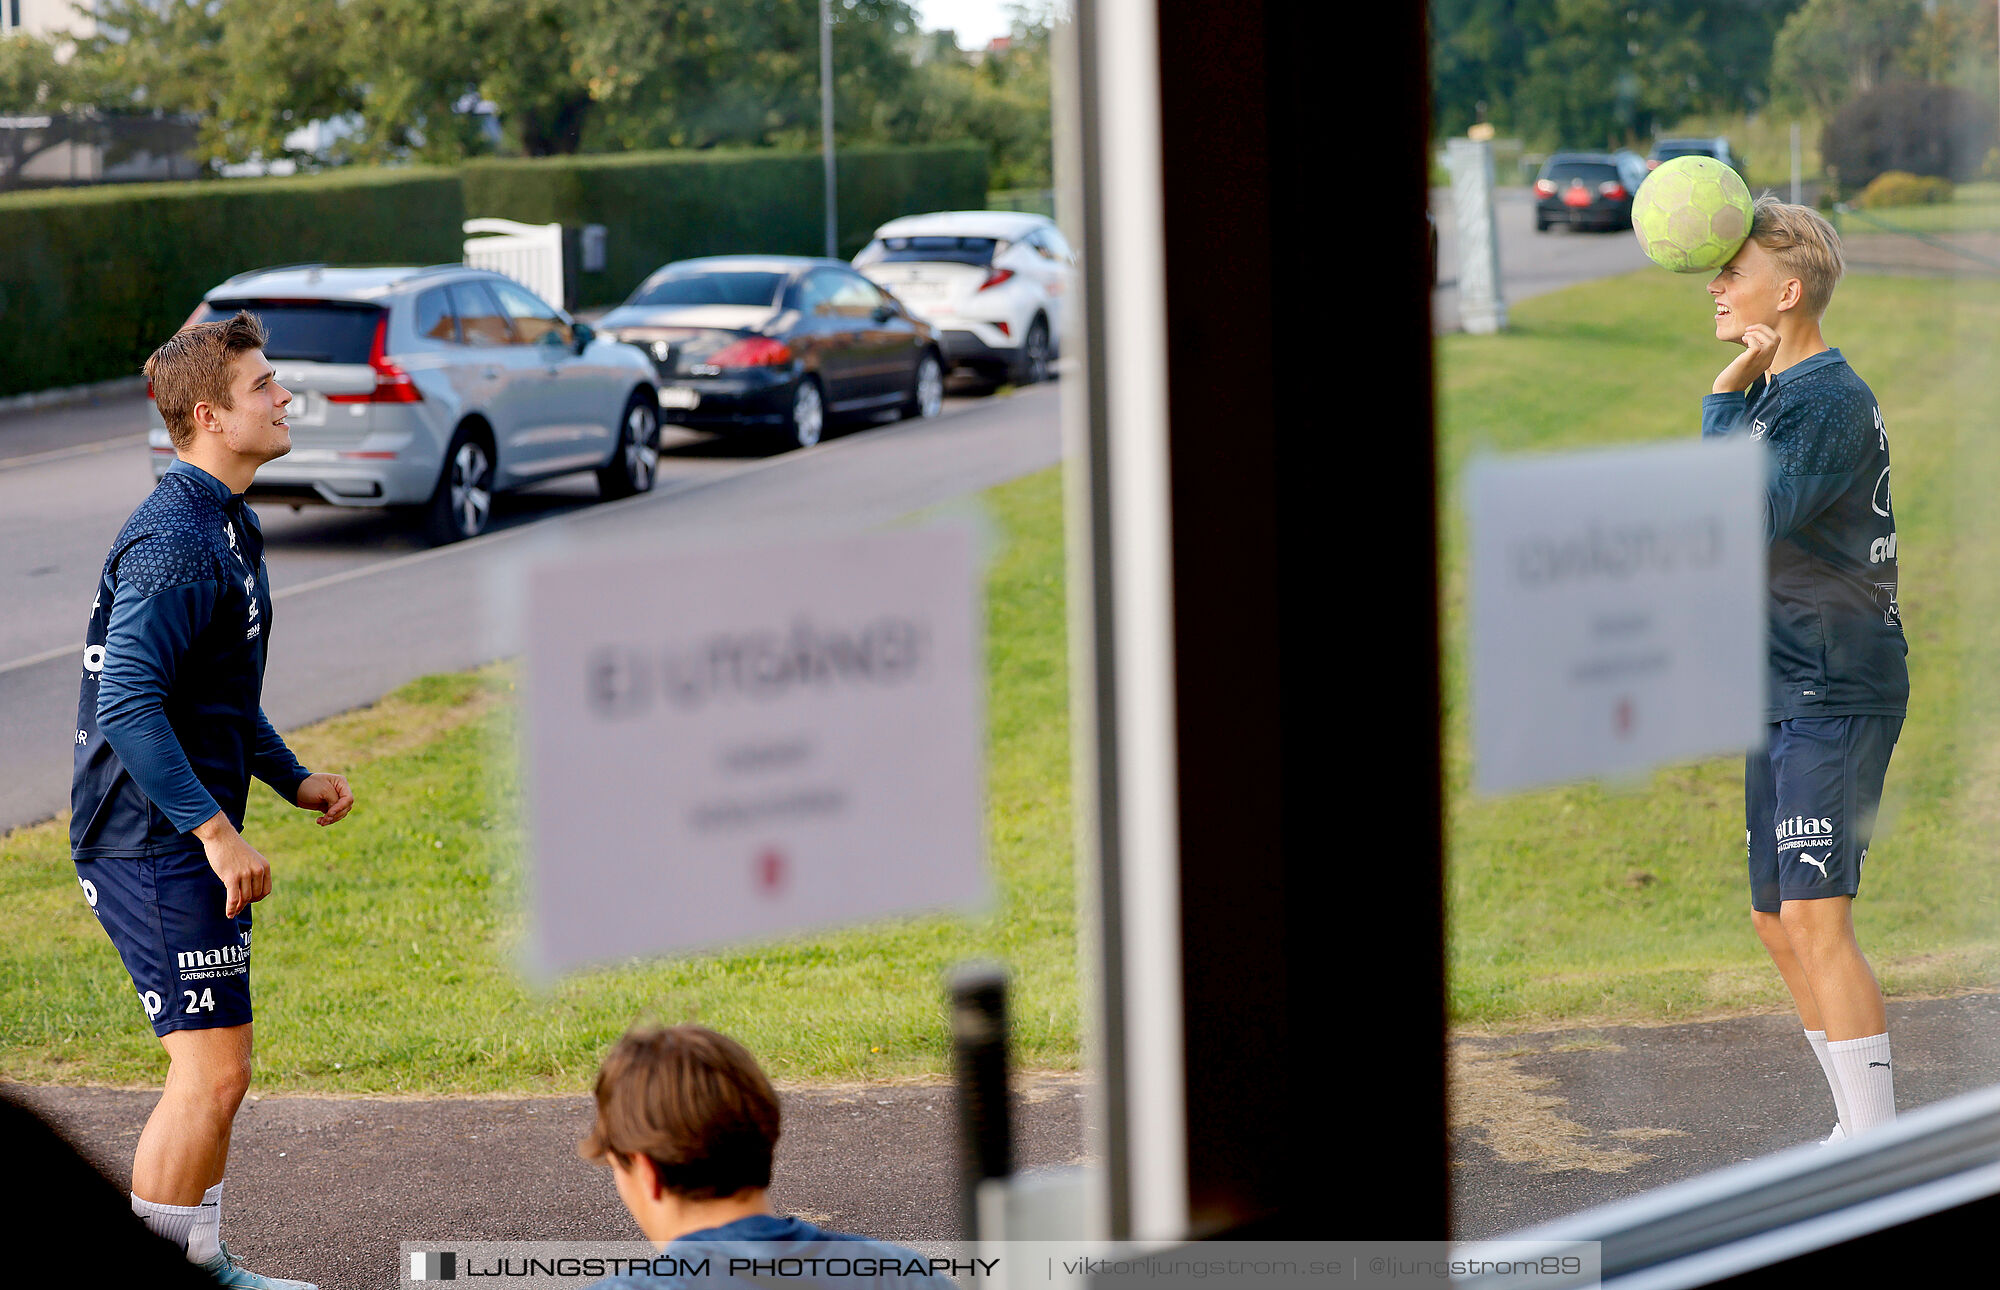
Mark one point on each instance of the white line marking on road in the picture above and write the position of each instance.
(80, 450)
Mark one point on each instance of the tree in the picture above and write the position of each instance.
(32, 78)
(1580, 72)
(1831, 50)
(1002, 101)
(1607, 71)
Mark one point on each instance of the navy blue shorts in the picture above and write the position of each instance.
(1809, 802)
(191, 964)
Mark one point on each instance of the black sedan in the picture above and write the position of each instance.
(1588, 190)
(778, 344)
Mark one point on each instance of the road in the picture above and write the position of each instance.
(1531, 263)
(361, 607)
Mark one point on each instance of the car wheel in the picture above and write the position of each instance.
(1541, 225)
(927, 396)
(1033, 366)
(463, 502)
(634, 466)
(807, 421)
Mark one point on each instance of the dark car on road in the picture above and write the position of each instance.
(1587, 190)
(1668, 149)
(778, 344)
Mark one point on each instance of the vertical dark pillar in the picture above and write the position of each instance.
(1305, 617)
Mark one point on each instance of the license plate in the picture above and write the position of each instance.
(675, 397)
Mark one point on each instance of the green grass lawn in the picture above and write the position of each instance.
(1629, 903)
(385, 955)
(1974, 208)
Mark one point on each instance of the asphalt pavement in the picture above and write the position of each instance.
(1531, 263)
(327, 1188)
(361, 607)
(1543, 1125)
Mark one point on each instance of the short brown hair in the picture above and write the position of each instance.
(193, 367)
(693, 1102)
(1804, 245)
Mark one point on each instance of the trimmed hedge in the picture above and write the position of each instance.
(93, 279)
(662, 206)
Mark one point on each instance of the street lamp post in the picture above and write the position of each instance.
(826, 121)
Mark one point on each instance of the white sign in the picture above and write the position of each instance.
(1617, 610)
(751, 743)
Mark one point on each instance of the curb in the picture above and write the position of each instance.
(68, 394)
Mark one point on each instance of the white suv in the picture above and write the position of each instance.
(992, 283)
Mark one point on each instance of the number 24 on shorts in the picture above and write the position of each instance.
(206, 1001)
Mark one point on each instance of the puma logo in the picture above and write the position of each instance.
(1817, 864)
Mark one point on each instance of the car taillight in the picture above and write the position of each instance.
(149, 391)
(1545, 188)
(392, 383)
(1613, 190)
(995, 278)
(752, 351)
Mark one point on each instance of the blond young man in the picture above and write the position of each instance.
(1839, 685)
(170, 729)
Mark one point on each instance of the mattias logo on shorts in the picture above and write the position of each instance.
(229, 956)
(1804, 826)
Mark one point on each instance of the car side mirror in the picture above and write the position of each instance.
(583, 333)
(883, 313)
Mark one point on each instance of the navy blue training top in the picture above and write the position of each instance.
(1835, 632)
(169, 722)
(859, 1263)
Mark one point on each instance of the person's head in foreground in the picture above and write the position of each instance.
(688, 1123)
(219, 395)
(1782, 278)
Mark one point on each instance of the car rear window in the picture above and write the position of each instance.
(1590, 172)
(307, 331)
(929, 249)
(1667, 153)
(716, 288)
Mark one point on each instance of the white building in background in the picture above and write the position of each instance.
(47, 18)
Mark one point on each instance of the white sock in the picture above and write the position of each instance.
(1817, 1038)
(171, 1223)
(205, 1237)
(195, 1230)
(1867, 1079)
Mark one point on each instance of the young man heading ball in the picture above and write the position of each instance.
(1838, 682)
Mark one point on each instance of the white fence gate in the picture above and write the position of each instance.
(531, 254)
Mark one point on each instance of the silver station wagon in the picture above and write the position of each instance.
(435, 388)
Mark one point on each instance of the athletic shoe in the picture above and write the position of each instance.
(228, 1272)
(1838, 1135)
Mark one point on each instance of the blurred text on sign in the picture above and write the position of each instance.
(751, 743)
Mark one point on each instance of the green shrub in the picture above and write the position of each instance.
(662, 206)
(93, 279)
(1901, 188)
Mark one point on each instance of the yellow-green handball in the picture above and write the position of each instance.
(1692, 214)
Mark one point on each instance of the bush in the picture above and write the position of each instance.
(662, 206)
(93, 279)
(1920, 129)
(1901, 188)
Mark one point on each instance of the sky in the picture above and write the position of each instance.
(975, 21)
